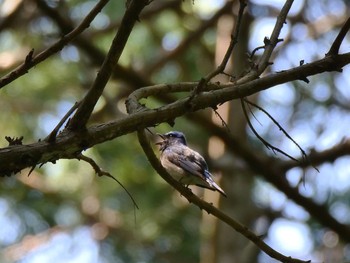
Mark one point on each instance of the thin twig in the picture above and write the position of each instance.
(274, 38)
(334, 50)
(266, 143)
(70, 143)
(270, 44)
(234, 40)
(253, 114)
(53, 134)
(255, 50)
(35, 60)
(100, 173)
(223, 122)
(209, 208)
(84, 43)
(303, 153)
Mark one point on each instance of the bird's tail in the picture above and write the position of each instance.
(214, 185)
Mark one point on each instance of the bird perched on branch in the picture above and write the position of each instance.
(184, 164)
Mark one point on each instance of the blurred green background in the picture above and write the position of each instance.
(63, 212)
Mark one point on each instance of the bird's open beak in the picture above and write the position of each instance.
(161, 136)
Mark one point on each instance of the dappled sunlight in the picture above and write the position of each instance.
(271, 122)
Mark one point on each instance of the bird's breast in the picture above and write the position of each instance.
(175, 171)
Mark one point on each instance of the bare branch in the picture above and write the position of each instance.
(266, 143)
(320, 157)
(210, 209)
(35, 60)
(88, 103)
(96, 55)
(274, 38)
(100, 173)
(274, 172)
(223, 122)
(303, 153)
(334, 50)
(53, 134)
(270, 46)
(68, 143)
(234, 39)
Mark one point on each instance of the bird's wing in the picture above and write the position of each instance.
(189, 160)
(193, 163)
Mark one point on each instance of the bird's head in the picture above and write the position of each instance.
(171, 138)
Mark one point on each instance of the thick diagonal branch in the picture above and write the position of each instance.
(87, 105)
(208, 207)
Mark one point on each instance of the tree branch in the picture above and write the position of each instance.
(15, 158)
(220, 69)
(334, 50)
(95, 54)
(272, 170)
(209, 208)
(87, 105)
(304, 156)
(28, 64)
(53, 134)
(266, 143)
(101, 173)
(320, 157)
(270, 44)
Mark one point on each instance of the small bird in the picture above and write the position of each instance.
(184, 164)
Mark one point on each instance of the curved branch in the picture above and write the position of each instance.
(273, 171)
(15, 158)
(28, 64)
(210, 209)
(320, 157)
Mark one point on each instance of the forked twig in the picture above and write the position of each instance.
(266, 143)
(52, 136)
(334, 50)
(220, 69)
(253, 114)
(100, 173)
(278, 125)
(303, 153)
(269, 45)
(223, 122)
